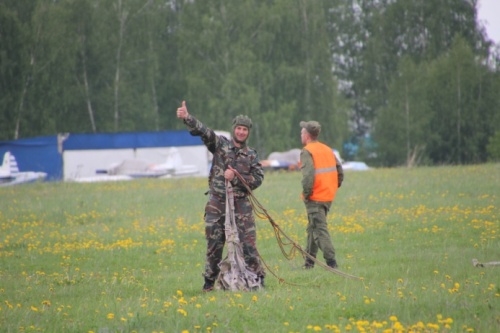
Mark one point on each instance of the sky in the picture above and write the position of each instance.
(489, 15)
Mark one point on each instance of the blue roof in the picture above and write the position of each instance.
(131, 140)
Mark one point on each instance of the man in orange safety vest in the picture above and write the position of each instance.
(322, 175)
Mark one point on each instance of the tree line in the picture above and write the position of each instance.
(393, 82)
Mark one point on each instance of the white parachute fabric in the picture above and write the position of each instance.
(476, 263)
(234, 274)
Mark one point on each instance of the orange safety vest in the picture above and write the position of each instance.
(325, 172)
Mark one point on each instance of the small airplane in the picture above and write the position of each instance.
(135, 168)
(288, 160)
(355, 166)
(10, 174)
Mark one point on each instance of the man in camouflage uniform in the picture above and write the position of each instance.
(322, 175)
(228, 155)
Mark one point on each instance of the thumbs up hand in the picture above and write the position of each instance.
(182, 112)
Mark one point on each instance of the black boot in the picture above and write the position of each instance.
(332, 263)
(209, 285)
(309, 264)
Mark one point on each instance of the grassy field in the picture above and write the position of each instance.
(128, 257)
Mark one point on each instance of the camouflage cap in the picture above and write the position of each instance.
(312, 127)
(242, 120)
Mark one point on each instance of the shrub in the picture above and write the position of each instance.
(493, 147)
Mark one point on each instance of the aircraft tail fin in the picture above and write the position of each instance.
(5, 167)
(9, 164)
(13, 167)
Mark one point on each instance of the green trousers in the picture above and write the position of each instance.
(318, 236)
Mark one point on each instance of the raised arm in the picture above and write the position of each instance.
(197, 128)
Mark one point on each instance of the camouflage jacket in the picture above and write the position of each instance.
(244, 159)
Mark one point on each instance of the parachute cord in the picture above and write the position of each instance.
(282, 238)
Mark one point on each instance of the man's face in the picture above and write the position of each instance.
(304, 136)
(240, 134)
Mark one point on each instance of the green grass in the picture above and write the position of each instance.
(128, 256)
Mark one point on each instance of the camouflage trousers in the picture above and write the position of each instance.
(215, 216)
(318, 236)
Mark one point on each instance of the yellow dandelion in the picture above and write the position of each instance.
(110, 316)
(34, 308)
(397, 326)
(433, 326)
